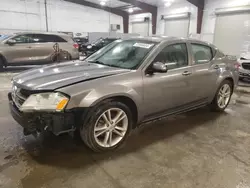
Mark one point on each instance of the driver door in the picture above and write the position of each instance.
(20, 51)
(168, 92)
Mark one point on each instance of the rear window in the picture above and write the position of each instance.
(201, 53)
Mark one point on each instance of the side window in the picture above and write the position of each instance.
(38, 38)
(42, 38)
(174, 56)
(201, 53)
(21, 39)
(54, 38)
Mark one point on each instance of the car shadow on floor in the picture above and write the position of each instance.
(65, 152)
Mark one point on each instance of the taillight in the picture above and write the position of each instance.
(76, 45)
(237, 65)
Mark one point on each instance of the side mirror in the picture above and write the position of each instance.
(11, 42)
(159, 67)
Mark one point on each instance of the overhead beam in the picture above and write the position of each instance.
(146, 7)
(138, 12)
(197, 3)
(200, 5)
(118, 12)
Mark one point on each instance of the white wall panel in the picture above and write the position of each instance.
(140, 17)
(209, 24)
(177, 27)
(232, 40)
(177, 8)
(209, 17)
(16, 15)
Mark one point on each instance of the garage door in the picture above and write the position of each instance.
(141, 28)
(232, 33)
(177, 27)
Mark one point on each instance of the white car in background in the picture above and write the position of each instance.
(244, 66)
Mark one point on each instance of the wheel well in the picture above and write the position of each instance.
(131, 104)
(230, 80)
(3, 58)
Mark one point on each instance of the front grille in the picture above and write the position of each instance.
(246, 66)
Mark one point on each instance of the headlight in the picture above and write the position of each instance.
(45, 102)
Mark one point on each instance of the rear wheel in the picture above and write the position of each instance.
(108, 126)
(223, 96)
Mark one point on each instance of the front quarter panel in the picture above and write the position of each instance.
(89, 93)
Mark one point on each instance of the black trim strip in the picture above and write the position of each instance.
(176, 110)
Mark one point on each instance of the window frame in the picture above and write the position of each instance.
(162, 47)
(192, 53)
(41, 35)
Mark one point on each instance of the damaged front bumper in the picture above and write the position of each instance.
(33, 122)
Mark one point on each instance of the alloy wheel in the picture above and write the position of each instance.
(224, 96)
(111, 127)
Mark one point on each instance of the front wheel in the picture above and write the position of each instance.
(108, 126)
(1, 64)
(223, 96)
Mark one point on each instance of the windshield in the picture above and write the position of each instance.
(126, 54)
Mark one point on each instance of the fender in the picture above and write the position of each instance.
(97, 95)
(223, 76)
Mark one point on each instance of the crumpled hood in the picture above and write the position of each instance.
(59, 75)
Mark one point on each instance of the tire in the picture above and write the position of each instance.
(219, 104)
(1, 64)
(95, 131)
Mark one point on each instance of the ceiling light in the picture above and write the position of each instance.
(102, 3)
(130, 10)
(167, 4)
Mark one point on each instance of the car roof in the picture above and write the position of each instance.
(46, 33)
(163, 38)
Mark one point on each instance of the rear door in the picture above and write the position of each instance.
(205, 70)
(43, 46)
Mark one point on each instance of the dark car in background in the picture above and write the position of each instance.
(81, 41)
(89, 49)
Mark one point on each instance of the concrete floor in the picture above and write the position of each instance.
(192, 150)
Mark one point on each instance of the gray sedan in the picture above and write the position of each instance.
(124, 84)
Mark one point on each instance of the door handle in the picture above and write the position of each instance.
(186, 73)
(29, 47)
(216, 67)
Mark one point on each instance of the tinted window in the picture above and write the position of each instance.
(41, 38)
(201, 53)
(22, 39)
(174, 56)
